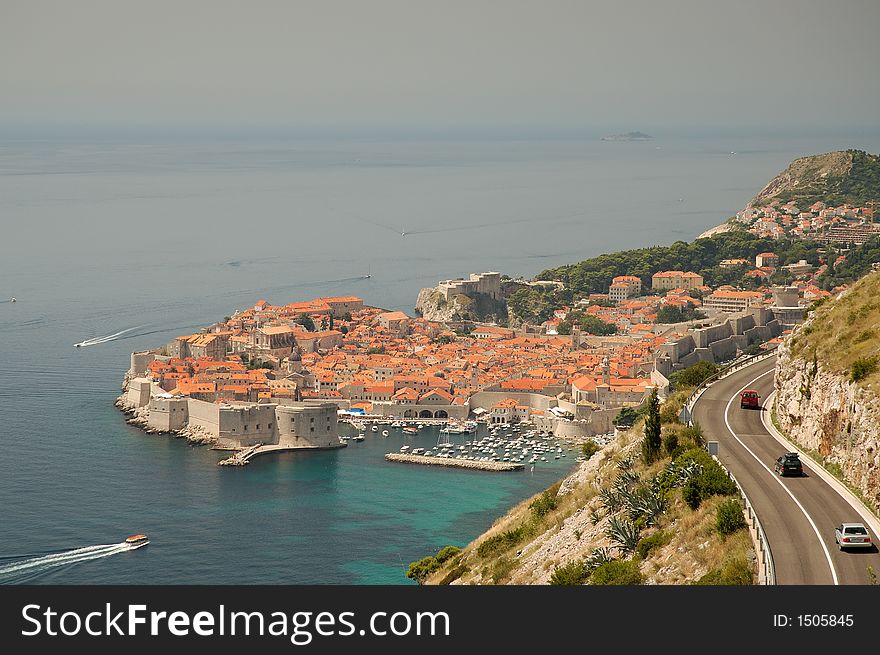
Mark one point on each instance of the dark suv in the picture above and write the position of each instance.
(789, 464)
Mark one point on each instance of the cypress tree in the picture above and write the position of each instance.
(652, 442)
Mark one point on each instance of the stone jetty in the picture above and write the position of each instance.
(454, 462)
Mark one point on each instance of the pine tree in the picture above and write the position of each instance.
(652, 442)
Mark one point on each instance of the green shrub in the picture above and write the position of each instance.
(669, 412)
(694, 375)
(693, 435)
(590, 448)
(421, 569)
(711, 480)
(545, 503)
(729, 517)
(573, 573)
(656, 540)
(626, 416)
(862, 368)
(618, 572)
(446, 552)
(501, 541)
(735, 571)
(670, 443)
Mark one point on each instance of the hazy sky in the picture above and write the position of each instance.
(454, 63)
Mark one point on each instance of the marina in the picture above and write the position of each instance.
(454, 462)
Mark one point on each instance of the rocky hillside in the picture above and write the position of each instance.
(432, 306)
(844, 176)
(828, 386)
(615, 520)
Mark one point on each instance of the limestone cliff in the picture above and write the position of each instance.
(827, 385)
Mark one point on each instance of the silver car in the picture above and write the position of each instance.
(852, 535)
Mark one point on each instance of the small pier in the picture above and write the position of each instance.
(474, 465)
(240, 457)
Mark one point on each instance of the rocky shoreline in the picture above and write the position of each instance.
(718, 229)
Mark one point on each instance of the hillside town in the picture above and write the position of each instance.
(842, 224)
(361, 360)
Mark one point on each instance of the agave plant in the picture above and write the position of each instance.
(611, 500)
(624, 534)
(688, 471)
(665, 479)
(629, 501)
(595, 517)
(598, 557)
(649, 504)
(644, 502)
(626, 479)
(626, 463)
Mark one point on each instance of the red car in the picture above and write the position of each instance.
(749, 399)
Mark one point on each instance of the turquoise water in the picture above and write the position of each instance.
(103, 236)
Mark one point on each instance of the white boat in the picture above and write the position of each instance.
(384, 433)
(359, 437)
(137, 541)
(404, 448)
(375, 428)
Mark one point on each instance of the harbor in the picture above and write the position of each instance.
(479, 448)
(454, 462)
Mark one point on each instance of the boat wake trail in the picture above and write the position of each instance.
(95, 341)
(30, 567)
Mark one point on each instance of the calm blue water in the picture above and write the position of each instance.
(104, 235)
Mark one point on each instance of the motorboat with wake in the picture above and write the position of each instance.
(137, 541)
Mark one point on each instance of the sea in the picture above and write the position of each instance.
(129, 240)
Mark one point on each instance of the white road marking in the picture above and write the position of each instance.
(773, 475)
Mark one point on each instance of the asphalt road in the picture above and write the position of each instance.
(798, 514)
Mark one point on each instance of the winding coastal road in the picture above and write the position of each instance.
(798, 514)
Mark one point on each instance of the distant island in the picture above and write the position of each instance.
(629, 136)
